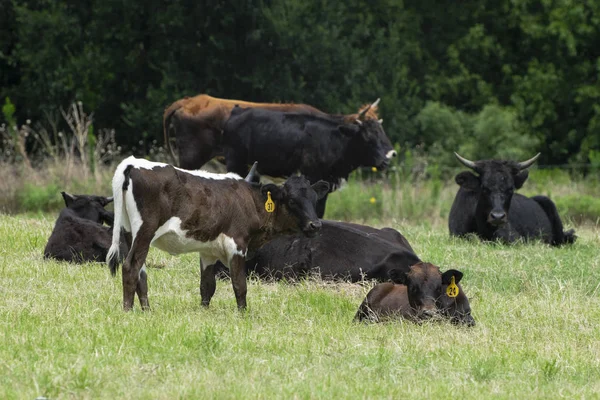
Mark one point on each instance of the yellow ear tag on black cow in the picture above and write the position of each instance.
(269, 204)
(452, 290)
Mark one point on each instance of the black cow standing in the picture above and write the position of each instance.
(319, 147)
(487, 205)
(79, 234)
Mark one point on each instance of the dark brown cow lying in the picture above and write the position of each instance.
(417, 293)
(221, 216)
(79, 234)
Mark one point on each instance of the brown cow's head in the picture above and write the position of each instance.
(89, 207)
(295, 204)
(424, 282)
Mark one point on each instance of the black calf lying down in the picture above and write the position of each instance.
(343, 251)
(79, 234)
(418, 293)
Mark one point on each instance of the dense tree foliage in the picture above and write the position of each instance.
(488, 78)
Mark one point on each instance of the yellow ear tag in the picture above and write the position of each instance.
(374, 169)
(452, 290)
(269, 204)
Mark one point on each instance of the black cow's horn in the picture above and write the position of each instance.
(528, 163)
(109, 199)
(361, 114)
(375, 103)
(467, 163)
(250, 176)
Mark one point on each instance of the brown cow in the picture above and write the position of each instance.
(417, 293)
(221, 216)
(197, 124)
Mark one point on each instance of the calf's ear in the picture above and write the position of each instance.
(447, 276)
(467, 180)
(321, 188)
(68, 198)
(520, 178)
(276, 191)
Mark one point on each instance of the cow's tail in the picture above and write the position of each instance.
(559, 236)
(120, 183)
(168, 114)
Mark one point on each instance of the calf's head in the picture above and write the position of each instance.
(295, 204)
(89, 207)
(376, 148)
(495, 184)
(425, 283)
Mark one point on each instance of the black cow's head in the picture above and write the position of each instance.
(295, 204)
(375, 147)
(424, 282)
(495, 183)
(89, 207)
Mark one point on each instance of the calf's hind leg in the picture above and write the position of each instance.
(238, 279)
(133, 278)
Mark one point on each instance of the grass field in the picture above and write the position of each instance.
(63, 333)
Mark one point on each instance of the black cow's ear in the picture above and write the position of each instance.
(68, 198)
(467, 180)
(321, 188)
(398, 276)
(520, 178)
(447, 276)
(276, 191)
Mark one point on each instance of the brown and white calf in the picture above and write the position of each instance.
(417, 293)
(220, 216)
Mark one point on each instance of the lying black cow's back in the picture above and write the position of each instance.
(342, 251)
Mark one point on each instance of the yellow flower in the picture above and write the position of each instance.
(373, 200)
(374, 169)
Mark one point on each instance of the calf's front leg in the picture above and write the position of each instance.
(208, 283)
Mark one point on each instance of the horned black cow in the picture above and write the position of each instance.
(221, 216)
(319, 147)
(79, 234)
(487, 205)
(418, 292)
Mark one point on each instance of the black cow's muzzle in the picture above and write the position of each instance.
(497, 218)
(312, 228)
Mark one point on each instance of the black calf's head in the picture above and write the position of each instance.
(89, 207)
(295, 203)
(376, 148)
(495, 183)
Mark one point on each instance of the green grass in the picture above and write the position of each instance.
(63, 334)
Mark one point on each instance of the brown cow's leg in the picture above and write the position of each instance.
(208, 283)
(142, 289)
(131, 269)
(238, 278)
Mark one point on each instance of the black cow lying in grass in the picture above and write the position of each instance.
(487, 205)
(352, 252)
(79, 234)
(417, 293)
